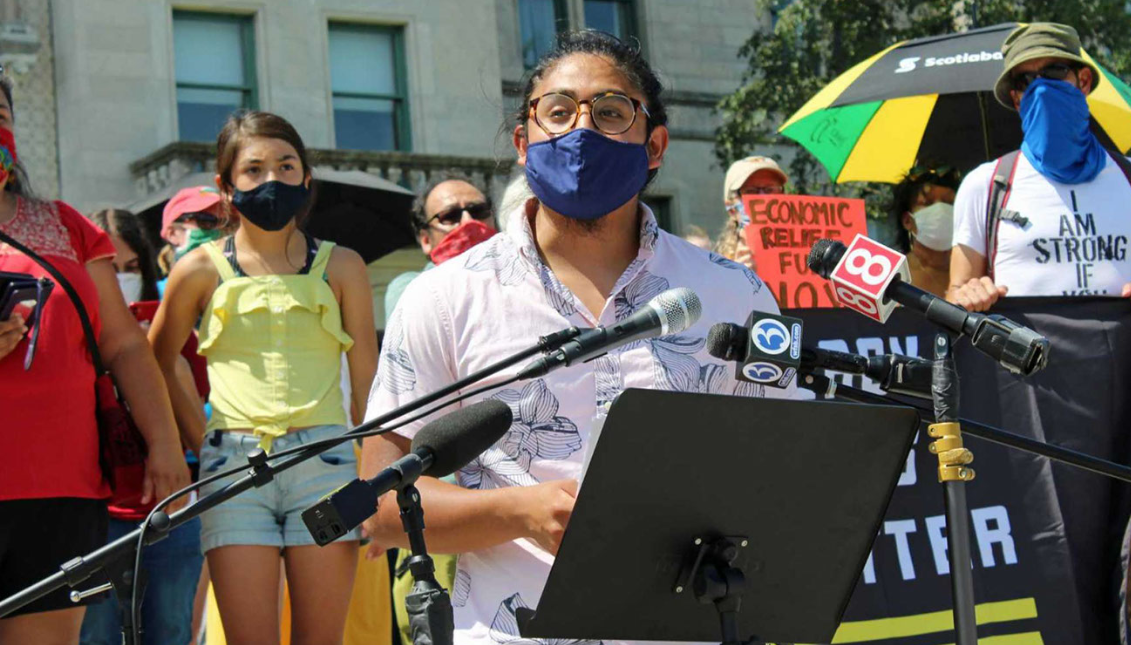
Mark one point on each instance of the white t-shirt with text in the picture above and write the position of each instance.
(1075, 239)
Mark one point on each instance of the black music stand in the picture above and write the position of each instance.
(765, 508)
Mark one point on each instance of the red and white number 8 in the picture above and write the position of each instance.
(854, 300)
(861, 262)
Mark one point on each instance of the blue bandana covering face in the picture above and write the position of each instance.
(584, 174)
(1058, 141)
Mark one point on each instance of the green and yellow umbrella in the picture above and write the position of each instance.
(930, 100)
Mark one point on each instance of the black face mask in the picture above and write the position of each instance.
(272, 204)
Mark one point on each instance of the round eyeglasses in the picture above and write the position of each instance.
(612, 113)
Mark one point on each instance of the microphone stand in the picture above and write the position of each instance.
(111, 558)
(953, 474)
(428, 604)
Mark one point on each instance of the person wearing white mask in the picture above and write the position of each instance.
(135, 259)
(923, 203)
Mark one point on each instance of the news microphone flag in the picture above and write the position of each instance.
(863, 275)
(767, 349)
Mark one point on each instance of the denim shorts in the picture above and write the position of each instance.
(272, 515)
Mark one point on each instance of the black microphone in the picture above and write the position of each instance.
(671, 312)
(767, 350)
(1019, 349)
(439, 449)
(907, 375)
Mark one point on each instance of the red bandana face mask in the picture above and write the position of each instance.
(462, 238)
(7, 153)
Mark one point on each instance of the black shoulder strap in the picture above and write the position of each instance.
(87, 327)
(230, 253)
(1000, 188)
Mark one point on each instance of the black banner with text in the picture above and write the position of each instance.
(1045, 536)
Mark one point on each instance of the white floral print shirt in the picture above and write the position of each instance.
(496, 300)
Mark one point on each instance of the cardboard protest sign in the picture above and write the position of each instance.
(781, 231)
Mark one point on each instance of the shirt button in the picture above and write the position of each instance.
(277, 309)
(279, 343)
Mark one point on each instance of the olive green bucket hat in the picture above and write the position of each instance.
(1039, 40)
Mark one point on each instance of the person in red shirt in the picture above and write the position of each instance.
(52, 494)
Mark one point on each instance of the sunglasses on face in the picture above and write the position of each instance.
(203, 221)
(452, 215)
(1052, 71)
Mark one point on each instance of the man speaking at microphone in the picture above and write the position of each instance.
(586, 253)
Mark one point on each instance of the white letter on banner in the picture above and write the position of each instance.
(936, 531)
(987, 536)
(899, 529)
(912, 343)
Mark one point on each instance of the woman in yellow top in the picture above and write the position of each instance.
(277, 309)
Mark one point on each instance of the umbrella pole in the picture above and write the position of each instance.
(953, 474)
(985, 124)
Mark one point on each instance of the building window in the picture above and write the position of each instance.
(616, 17)
(539, 22)
(214, 62)
(367, 81)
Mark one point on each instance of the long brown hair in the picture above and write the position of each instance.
(247, 124)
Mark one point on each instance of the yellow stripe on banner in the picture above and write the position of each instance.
(1110, 109)
(888, 146)
(830, 92)
(1028, 638)
(940, 621)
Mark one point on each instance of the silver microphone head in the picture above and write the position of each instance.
(678, 309)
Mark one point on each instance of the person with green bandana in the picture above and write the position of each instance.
(191, 218)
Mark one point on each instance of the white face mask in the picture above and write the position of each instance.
(935, 225)
(130, 283)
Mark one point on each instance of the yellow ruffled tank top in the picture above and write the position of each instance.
(273, 345)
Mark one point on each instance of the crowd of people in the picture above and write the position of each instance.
(264, 337)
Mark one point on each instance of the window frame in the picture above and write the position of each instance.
(250, 89)
(402, 122)
(632, 24)
(562, 23)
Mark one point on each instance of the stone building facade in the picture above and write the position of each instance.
(122, 93)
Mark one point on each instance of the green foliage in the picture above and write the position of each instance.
(813, 41)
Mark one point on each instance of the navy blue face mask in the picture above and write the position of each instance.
(271, 205)
(1058, 140)
(584, 174)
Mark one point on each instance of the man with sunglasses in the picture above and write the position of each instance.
(450, 216)
(1050, 219)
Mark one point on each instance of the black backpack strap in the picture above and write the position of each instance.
(1000, 188)
(87, 327)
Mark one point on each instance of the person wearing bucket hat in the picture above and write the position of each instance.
(1048, 219)
(755, 175)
